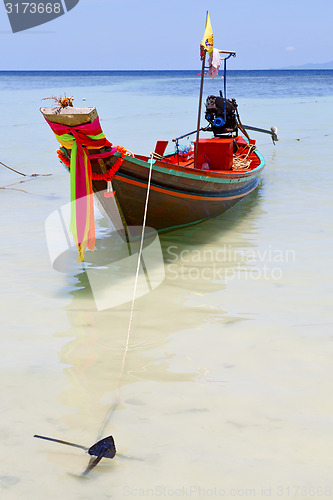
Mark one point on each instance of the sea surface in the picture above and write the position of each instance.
(225, 389)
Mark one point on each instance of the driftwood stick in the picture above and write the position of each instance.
(13, 169)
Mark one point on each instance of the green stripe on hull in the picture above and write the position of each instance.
(203, 178)
(227, 194)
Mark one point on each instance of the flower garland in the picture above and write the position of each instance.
(64, 159)
(106, 176)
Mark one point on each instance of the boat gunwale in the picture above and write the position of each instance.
(191, 173)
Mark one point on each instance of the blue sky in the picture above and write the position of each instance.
(152, 34)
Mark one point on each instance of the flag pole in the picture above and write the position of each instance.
(199, 111)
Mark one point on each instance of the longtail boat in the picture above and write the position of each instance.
(187, 185)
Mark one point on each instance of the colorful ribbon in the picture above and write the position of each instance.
(79, 139)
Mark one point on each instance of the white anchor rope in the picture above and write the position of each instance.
(117, 398)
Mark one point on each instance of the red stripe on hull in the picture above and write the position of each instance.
(169, 209)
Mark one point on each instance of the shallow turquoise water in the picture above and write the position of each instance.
(227, 383)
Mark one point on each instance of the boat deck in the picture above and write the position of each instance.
(215, 156)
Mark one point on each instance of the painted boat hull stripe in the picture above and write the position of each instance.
(182, 194)
(229, 178)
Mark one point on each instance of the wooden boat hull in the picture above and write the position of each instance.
(170, 208)
(179, 196)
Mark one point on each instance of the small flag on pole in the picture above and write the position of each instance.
(207, 41)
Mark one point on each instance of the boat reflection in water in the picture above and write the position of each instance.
(112, 267)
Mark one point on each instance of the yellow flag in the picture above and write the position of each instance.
(207, 41)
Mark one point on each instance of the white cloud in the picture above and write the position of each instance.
(290, 48)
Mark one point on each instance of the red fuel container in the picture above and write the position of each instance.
(218, 153)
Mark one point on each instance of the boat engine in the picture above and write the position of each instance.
(221, 114)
